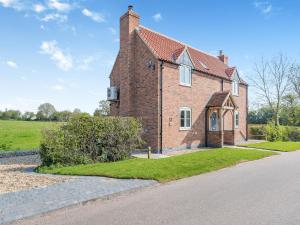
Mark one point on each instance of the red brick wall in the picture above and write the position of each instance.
(146, 92)
(229, 137)
(195, 97)
(138, 84)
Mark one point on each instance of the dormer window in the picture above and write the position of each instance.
(185, 73)
(185, 68)
(235, 85)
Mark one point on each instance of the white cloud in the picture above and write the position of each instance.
(97, 17)
(59, 6)
(116, 40)
(58, 87)
(264, 7)
(15, 4)
(12, 64)
(39, 8)
(85, 63)
(55, 17)
(157, 17)
(62, 60)
(42, 27)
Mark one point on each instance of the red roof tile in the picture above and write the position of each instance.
(169, 50)
(218, 99)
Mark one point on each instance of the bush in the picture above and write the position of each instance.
(257, 132)
(293, 133)
(275, 133)
(86, 139)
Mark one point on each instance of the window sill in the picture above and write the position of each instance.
(185, 85)
(185, 128)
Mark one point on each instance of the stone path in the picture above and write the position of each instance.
(73, 190)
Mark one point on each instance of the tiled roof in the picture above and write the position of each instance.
(218, 99)
(169, 50)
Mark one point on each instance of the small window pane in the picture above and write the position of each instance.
(236, 122)
(182, 118)
(188, 118)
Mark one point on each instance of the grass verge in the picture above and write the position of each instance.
(276, 146)
(21, 135)
(165, 169)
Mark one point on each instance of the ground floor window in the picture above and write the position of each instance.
(236, 119)
(213, 121)
(185, 118)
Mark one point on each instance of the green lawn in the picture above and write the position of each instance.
(21, 135)
(165, 169)
(277, 146)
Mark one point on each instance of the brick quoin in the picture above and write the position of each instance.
(149, 87)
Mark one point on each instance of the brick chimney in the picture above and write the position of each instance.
(128, 22)
(223, 57)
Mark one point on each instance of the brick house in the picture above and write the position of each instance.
(184, 97)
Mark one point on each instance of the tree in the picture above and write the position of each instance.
(28, 116)
(61, 116)
(45, 111)
(295, 79)
(103, 109)
(272, 81)
(77, 111)
(291, 110)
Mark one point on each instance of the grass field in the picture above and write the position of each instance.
(164, 169)
(21, 135)
(276, 146)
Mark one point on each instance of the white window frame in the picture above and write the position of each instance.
(235, 85)
(184, 82)
(236, 119)
(185, 127)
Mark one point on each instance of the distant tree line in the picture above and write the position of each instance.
(47, 112)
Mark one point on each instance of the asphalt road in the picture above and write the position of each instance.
(265, 191)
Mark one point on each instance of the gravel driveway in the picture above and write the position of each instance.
(13, 176)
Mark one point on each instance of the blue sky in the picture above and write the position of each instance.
(62, 51)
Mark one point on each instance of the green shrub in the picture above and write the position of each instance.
(257, 132)
(293, 133)
(86, 139)
(275, 133)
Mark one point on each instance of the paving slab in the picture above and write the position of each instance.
(29, 202)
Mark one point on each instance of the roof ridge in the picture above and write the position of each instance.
(180, 42)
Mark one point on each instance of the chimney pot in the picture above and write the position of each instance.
(130, 7)
(220, 52)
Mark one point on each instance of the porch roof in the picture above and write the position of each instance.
(220, 100)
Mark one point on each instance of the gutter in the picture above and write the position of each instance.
(161, 107)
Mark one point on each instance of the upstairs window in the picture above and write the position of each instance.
(235, 85)
(185, 73)
(235, 88)
(185, 118)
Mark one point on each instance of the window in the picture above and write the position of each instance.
(236, 119)
(185, 73)
(235, 87)
(213, 121)
(185, 118)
